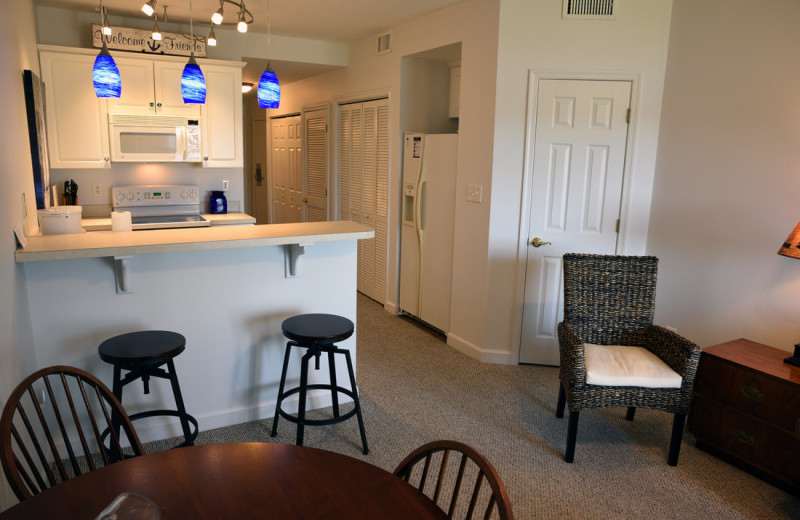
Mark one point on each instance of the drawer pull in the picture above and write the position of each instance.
(753, 394)
(744, 437)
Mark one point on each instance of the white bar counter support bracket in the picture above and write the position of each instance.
(122, 274)
(291, 252)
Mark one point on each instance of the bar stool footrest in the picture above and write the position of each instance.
(172, 413)
(319, 422)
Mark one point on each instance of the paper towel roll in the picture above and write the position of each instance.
(121, 221)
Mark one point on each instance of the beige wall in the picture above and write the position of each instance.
(474, 23)
(534, 38)
(728, 173)
(18, 44)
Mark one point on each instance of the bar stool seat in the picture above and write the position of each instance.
(142, 354)
(318, 333)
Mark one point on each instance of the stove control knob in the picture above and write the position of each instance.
(120, 196)
(183, 194)
(129, 196)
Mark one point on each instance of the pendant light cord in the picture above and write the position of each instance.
(191, 27)
(269, 28)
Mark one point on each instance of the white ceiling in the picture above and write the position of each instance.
(333, 20)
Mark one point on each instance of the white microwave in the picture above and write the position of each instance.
(154, 138)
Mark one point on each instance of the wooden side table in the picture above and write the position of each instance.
(745, 409)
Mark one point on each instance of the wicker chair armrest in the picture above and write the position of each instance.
(571, 350)
(676, 351)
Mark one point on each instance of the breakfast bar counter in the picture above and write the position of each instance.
(226, 289)
(109, 243)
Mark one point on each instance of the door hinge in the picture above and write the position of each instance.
(617, 225)
(628, 116)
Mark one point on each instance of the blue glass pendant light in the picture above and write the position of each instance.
(105, 74)
(269, 89)
(193, 83)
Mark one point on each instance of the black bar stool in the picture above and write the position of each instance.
(318, 333)
(142, 354)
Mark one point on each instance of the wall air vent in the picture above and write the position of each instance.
(385, 43)
(588, 9)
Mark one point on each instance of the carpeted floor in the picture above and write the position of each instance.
(414, 388)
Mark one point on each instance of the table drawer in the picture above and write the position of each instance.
(747, 438)
(755, 393)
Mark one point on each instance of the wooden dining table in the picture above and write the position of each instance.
(238, 480)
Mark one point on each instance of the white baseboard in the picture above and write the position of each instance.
(499, 357)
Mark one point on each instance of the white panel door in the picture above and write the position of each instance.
(578, 164)
(287, 170)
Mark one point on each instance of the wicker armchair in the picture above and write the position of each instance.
(610, 300)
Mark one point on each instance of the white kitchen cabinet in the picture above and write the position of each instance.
(77, 121)
(222, 117)
(150, 87)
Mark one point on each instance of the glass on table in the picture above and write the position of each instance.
(130, 506)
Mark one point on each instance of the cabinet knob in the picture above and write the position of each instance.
(152, 104)
(158, 105)
(106, 158)
(205, 158)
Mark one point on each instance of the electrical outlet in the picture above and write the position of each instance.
(97, 190)
(474, 192)
(225, 185)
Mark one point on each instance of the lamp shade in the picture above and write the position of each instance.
(193, 83)
(791, 247)
(105, 75)
(269, 90)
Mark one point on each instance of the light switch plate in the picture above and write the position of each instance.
(225, 185)
(97, 189)
(475, 192)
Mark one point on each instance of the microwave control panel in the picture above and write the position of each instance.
(155, 195)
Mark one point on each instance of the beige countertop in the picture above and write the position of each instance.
(97, 244)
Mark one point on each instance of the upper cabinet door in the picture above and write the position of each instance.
(137, 95)
(222, 117)
(169, 99)
(77, 121)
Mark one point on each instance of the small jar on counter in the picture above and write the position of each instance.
(218, 204)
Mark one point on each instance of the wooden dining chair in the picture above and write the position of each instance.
(52, 426)
(457, 489)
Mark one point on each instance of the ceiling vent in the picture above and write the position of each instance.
(588, 9)
(385, 43)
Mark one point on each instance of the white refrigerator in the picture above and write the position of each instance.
(426, 240)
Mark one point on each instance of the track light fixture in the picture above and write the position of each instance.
(243, 21)
(149, 7)
(156, 32)
(217, 17)
(212, 38)
(106, 25)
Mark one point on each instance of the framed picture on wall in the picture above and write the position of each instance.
(34, 105)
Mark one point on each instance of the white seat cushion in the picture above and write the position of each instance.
(617, 365)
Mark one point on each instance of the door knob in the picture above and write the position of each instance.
(305, 200)
(537, 242)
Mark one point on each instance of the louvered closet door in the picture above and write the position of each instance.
(364, 185)
(316, 128)
(366, 261)
(343, 187)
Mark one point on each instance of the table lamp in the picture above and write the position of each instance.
(791, 248)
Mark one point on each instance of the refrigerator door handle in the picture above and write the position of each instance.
(420, 208)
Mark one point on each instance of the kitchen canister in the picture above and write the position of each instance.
(218, 204)
(60, 220)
